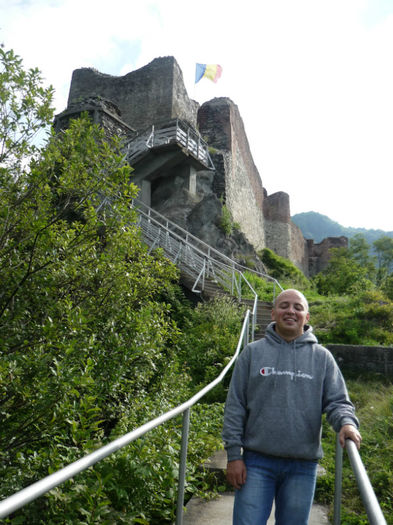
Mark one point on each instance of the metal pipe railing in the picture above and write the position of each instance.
(206, 261)
(34, 491)
(370, 502)
(338, 483)
(197, 244)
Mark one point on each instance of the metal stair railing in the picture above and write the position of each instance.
(34, 491)
(193, 255)
(196, 258)
(371, 504)
(172, 132)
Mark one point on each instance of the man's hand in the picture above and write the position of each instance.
(349, 432)
(236, 473)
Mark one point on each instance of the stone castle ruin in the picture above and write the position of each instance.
(192, 163)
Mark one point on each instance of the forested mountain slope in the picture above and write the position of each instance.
(317, 226)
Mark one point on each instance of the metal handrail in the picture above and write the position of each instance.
(195, 257)
(371, 504)
(34, 491)
(197, 245)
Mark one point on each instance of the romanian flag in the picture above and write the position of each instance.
(212, 71)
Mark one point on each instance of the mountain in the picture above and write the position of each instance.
(317, 226)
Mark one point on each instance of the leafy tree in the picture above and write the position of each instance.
(387, 287)
(210, 336)
(77, 301)
(343, 275)
(25, 110)
(384, 249)
(88, 345)
(359, 251)
(81, 332)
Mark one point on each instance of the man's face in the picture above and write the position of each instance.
(291, 314)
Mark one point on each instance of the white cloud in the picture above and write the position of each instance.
(312, 80)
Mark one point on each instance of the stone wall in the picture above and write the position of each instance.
(101, 111)
(299, 249)
(319, 254)
(221, 125)
(277, 223)
(364, 359)
(281, 234)
(150, 94)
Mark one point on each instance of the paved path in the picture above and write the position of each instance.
(219, 512)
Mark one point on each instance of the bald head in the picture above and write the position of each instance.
(291, 291)
(290, 311)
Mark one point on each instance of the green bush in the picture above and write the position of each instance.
(209, 341)
(226, 221)
(365, 318)
(282, 269)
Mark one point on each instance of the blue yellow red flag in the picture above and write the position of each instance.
(211, 71)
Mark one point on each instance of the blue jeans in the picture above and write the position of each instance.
(290, 482)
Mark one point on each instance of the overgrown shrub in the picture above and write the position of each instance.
(226, 221)
(365, 319)
(209, 341)
(282, 269)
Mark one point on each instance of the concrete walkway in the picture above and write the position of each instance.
(218, 511)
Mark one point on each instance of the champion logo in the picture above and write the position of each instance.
(271, 371)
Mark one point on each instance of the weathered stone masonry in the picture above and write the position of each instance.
(155, 94)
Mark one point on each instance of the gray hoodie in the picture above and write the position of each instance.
(277, 396)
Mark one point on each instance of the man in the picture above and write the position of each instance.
(281, 386)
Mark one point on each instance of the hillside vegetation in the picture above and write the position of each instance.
(97, 337)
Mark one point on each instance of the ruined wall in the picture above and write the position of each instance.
(319, 254)
(150, 94)
(299, 249)
(281, 234)
(277, 223)
(220, 123)
(101, 111)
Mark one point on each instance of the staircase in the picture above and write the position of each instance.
(212, 290)
(264, 311)
(203, 270)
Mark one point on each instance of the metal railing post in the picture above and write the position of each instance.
(373, 510)
(182, 467)
(246, 338)
(338, 481)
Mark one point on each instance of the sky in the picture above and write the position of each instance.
(313, 81)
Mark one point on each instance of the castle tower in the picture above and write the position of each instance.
(153, 93)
